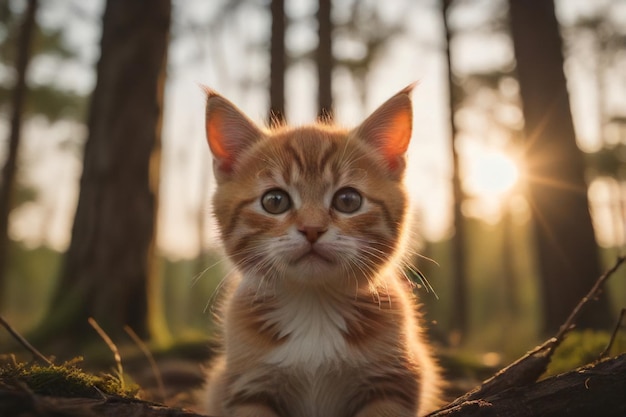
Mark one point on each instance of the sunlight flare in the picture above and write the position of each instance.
(491, 173)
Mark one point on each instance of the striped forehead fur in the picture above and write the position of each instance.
(311, 151)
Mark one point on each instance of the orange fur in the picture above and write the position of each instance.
(321, 321)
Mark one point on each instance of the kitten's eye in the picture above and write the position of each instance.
(276, 201)
(347, 200)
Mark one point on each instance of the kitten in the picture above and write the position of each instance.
(321, 321)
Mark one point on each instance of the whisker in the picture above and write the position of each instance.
(213, 298)
(196, 278)
(422, 278)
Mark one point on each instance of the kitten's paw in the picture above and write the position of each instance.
(252, 410)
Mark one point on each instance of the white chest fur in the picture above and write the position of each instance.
(313, 329)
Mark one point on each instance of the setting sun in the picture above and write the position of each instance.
(491, 174)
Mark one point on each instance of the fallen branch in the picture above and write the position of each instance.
(595, 390)
(530, 367)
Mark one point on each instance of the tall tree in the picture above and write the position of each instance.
(600, 60)
(24, 46)
(48, 99)
(108, 271)
(277, 62)
(459, 285)
(566, 246)
(325, 60)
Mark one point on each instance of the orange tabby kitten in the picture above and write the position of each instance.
(321, 321)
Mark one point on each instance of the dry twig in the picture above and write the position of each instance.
(24, 342)
(593, 292)
(619, 324)
(112, 346)
(148, 354)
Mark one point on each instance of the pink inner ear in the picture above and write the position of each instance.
(388, 129)
(216, 139)
(229, 132)
(398, 136)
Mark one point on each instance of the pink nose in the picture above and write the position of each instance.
(312, 233)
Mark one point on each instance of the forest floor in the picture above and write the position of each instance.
(173, 377)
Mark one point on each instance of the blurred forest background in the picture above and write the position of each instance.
(517, 165)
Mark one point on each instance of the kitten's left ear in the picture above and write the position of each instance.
(229, 132)
(388, 129)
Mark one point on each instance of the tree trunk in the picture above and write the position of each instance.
(510, 292)
(24, 49)
(277, 63)
(459, 278)
(108, 271)
(566, 246)
(325, 61)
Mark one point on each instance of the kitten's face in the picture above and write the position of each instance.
(317, 205)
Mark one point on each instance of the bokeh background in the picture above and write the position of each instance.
(517, 166)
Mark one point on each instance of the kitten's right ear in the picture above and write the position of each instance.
(229, 132)
(388, 129)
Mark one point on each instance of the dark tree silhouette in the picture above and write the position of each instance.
(557, 192)
(108, 269)
(459, 284)
(277, 62)
(325, 60)
(24, 47)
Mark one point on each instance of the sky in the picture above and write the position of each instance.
(221, 58)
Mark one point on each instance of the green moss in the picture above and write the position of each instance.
(581, 348)
(65, 380)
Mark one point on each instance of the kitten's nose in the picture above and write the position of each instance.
(312, 233)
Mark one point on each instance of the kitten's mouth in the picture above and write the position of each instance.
(313, 255)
